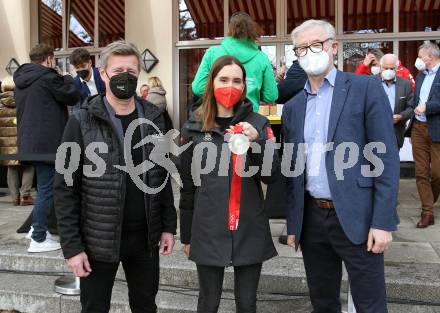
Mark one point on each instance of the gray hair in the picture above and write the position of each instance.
(389, 55)
(432, 49)
(330, 30)
(120, 47)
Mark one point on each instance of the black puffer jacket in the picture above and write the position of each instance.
(90, 212)
(204, 209)
(42, 97)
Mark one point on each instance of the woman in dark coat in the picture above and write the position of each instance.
(212, 204)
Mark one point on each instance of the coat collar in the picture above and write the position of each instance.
(242, 110)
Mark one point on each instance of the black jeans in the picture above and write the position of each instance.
(246, 280)
(141, 271)
(324, 246)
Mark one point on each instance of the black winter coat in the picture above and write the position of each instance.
(204, 209)
(42, 97)
(90, 212)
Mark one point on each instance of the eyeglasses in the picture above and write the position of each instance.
(315, 47)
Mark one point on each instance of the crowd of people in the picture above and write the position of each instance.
(105, 218)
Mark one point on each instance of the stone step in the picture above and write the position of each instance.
(405, 281)
(34, 294)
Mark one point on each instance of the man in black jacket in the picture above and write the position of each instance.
(42, 96)
(293, 83)
(104, 215)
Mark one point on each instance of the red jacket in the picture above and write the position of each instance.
(402, 71)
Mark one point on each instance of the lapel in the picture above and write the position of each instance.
(98, 81)
(400, 92)
(340, 92)
(436, 81)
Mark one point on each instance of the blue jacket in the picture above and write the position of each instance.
(100, 86)
(361, 114)
(432, 106)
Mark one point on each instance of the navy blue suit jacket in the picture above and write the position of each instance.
(100, 86)
(432, 106)
(360, 113)
(293, 83)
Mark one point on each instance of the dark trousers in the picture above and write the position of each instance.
(246, 280)
(141, 271)
(44, 201)
(324, 246)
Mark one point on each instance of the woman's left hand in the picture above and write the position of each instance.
(248, 130)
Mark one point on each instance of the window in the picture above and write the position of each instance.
(82, 28)
(355, 52)
(81, 23)
(368, 16)
(189, 61)
(419, 15)
(299, 11)
(263, 12)
(201, 19)
(408, 52)
(50, 21)
(362, 25)
(111, 21)
(271, 52)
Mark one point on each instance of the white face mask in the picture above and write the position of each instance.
(314, 64)
(420, 65)
(388, 74)
(375, 70)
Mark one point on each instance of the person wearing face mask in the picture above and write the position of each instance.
(87, 80)
(222, 218)
(241, 42)
(371, 66)
(400, 95)
(107, 220)
(339, 216)
(425, 130)
(42, 97)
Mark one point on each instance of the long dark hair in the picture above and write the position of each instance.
(207, 112)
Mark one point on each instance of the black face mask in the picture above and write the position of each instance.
(123, 85)
(83, 73)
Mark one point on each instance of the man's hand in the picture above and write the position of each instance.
(79, 265)
(291, 241)
(166, 243)
(379, 240)
(397, 118)
(369, 58)
(186, 250)
(420, 109)
(281, 73)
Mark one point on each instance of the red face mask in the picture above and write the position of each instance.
(227, 96)
(145, 94)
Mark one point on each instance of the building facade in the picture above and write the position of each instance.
(178, 32)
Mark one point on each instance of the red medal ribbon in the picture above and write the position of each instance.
(235, 194)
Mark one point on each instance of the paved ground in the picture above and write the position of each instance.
(414, 259)
(411, 245)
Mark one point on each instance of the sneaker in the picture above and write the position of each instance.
(29, 234)
(45, 246)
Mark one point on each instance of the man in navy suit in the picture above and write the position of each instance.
(342, 207)
(88, 80)
(425, 131)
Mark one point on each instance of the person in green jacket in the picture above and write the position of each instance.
(242, 44)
